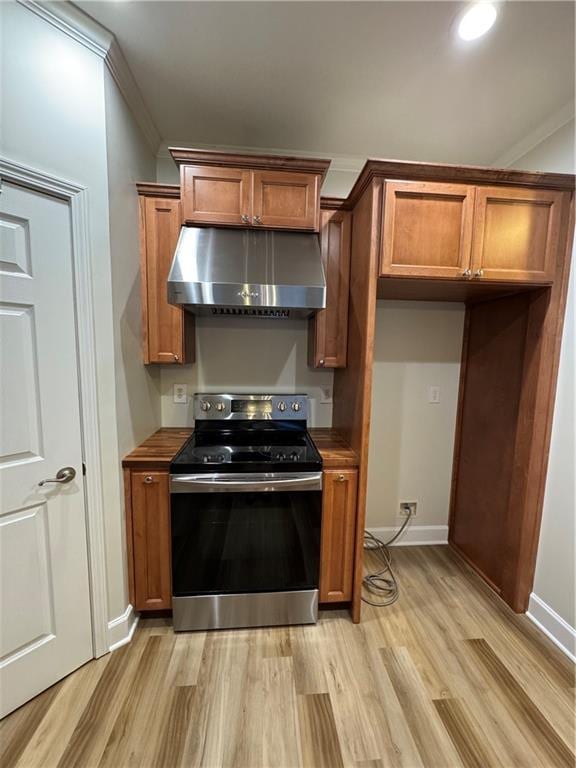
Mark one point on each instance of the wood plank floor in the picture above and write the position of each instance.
(448, 676)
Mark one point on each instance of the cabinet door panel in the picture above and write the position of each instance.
(151, 540)
(329, 328)
(516, 233)
(427, 229)
(338, 527)
(163, 323)
(215, 195)
(286, 200)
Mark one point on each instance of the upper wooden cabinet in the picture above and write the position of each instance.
(427, 229)
(442, 230)
(216, 195)
(328, 329)
(260, 191)
(516, 234)
(167, 331)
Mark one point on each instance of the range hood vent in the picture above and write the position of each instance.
(254, 273)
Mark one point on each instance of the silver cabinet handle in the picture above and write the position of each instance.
(479, 272)
(341, 478)
(64, 475)
(467, 272)
(176, 358)
(321, 362)
(257, 220)
(245, 219)
(148, 479)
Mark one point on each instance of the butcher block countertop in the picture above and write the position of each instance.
(158, 450)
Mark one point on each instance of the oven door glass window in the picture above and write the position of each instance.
(224, 543)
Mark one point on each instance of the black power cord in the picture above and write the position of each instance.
(382, 584)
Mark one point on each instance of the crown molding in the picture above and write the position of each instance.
(72, 21)
(347, 163)
(537, 136)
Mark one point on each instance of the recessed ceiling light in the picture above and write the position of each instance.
(477, 20)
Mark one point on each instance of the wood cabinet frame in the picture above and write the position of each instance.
(543, 311)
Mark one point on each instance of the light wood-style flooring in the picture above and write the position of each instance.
(448, 676)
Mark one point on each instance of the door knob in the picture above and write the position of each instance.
(64, 475)
(467, 272)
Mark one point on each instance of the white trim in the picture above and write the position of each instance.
(535, 137)
(349, 163)
(122, 628)
(77, 196)
(73, 22)
(413, 534)
(553, 625)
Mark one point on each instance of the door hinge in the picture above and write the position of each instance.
(83, 469)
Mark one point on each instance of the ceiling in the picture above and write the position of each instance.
(387, 79)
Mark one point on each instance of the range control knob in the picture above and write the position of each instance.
(296, 406)
(220, 406)
(205, 405)
(281, 405)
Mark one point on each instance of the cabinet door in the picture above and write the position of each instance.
(328, 340)
(162, 323)
(427, 229)
(516, 234)
(338, 526)
(215, 195)
(286, 200)
(151, 540)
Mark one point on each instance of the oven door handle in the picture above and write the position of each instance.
(246, 483)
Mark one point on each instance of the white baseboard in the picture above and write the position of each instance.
(121, 629)
(553, 625)
(414, 534)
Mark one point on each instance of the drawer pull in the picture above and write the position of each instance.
(148, 479)
(341, 478)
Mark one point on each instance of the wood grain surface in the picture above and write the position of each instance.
(157, 451)
(447, 677)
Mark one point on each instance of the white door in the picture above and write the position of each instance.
(45, 621)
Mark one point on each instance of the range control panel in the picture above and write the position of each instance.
(250, 407)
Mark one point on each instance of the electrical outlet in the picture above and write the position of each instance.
(180, 394)
(325, 395)
(434, 395)
(408, 508)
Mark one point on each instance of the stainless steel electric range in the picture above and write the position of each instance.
(246, 500)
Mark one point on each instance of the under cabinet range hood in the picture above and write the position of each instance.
(260, 273)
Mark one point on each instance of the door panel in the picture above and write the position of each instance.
(45, 622)
(516, 234)
(338, 526)
(427, 229)
(215, 195)
(328, 341)
(286, 200)
(164, 322)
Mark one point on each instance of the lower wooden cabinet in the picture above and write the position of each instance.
(339, 489)
(148, 537)
(149, 549)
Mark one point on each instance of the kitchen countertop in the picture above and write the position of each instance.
(158, 450)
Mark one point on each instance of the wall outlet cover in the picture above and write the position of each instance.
(434, 394)
(408, 508)
(180, 394)
(325, 395)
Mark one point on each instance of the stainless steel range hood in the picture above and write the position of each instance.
(261, 273)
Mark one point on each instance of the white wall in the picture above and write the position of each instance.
(417, 345)
(554, 584)
(137, 387)
(247, 355)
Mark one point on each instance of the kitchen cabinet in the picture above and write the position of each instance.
(150, 546)
(516, 234)
(339, 489)
(216, 195)
(463, 231)
(167, 330)
(258, 191)
(328, 329)
(427, 229)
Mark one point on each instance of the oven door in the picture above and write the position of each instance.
(245, 533)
